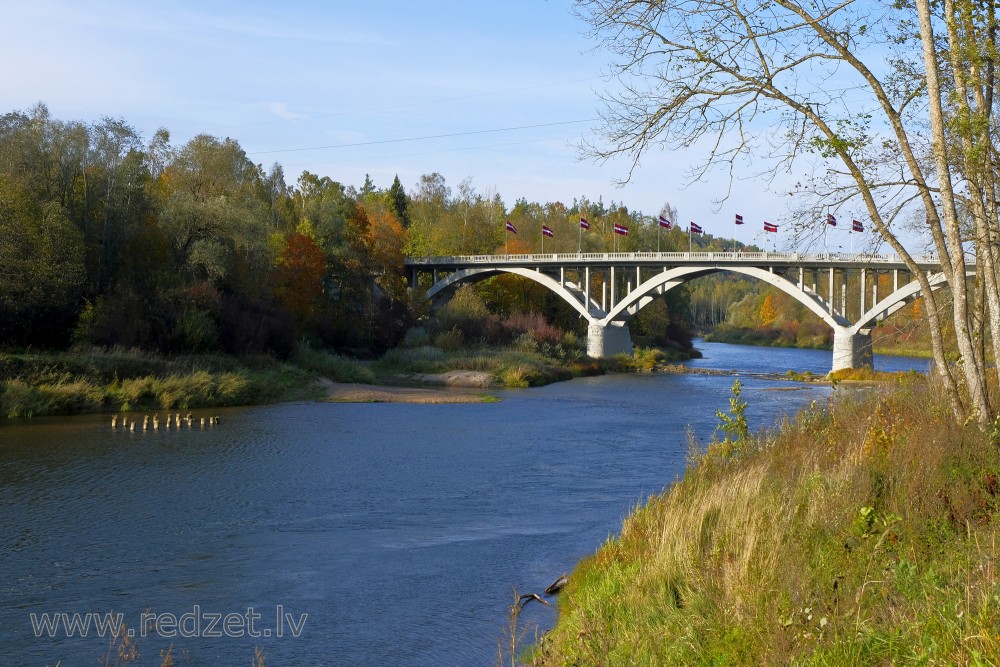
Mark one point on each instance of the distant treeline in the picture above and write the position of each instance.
(110, 239)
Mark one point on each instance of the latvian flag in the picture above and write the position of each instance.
(857, 226)
(696, 228)
(768, 227)
(831, 219)
(546, 231)
(511, 227)
(664, 222)
(739, 219)
(621, 229)
(584, 224)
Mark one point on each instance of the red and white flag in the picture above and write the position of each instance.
(831, 219)
(696, 228)
(739, 219)
(621, 229)
(664, 222)
(857, 226)
(768, 227)
(511, 227)
(584, 224)
(546, 231)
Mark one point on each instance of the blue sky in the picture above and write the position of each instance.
(295, 81)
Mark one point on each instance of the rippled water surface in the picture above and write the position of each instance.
(386, 534)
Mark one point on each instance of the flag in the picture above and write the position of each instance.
(511, 227)
(584, 224)
(546, 231)
(857, 226)
(664, 222)
(621, 229)
(696, 228)
(768, 227)
(831, 219)
(739, 219)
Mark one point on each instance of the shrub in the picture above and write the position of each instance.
(450, 341)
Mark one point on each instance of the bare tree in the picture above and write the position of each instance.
(855, 85)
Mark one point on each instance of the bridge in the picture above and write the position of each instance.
(850, 292)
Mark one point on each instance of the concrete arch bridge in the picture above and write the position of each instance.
(850, 292)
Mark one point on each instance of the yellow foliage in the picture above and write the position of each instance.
(767, 313)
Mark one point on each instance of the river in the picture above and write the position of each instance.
(362, 534)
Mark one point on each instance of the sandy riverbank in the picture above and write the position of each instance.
(449, 387)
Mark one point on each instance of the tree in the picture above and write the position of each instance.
(213, 212)
(298, 278)
(793, 77)
(398, 201)
(767, 314)
(41, 260)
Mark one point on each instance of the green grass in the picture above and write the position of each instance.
(859, 533)
(35, 385)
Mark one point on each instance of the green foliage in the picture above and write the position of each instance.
(734, 424)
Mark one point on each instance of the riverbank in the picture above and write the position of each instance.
(343, 392)
(93, 380)
(863, 532)
(769, 338)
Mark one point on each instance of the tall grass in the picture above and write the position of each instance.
(332, 366)
(859, 533)
(35, 385)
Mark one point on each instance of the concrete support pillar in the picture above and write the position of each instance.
(851, 350)
(586, 289)
(830, 300)
(613, 301)
(608, 340)
(864, 286)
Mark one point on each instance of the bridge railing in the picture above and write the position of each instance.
(673, 257)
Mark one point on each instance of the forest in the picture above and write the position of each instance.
(110, 239)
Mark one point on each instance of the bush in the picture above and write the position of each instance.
(450, 341)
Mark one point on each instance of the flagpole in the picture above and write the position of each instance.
(580, 235)
(658, 236)
(543, 240)
(690, 234)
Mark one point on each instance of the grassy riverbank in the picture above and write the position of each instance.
(859, 533)
(40, 384)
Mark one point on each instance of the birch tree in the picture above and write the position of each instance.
(896, 100)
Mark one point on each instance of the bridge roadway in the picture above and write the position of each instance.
(608, 289)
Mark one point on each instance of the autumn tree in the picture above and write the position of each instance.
(298, 278)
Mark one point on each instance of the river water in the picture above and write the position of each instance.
(344, 534)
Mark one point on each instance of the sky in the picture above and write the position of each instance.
(500, 93)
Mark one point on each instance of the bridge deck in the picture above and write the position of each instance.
(717, 259)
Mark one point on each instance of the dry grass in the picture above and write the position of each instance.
(860, 533)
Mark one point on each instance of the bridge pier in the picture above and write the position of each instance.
(851, 350)
(608, 340)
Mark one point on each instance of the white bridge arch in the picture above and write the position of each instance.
(643, 277)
